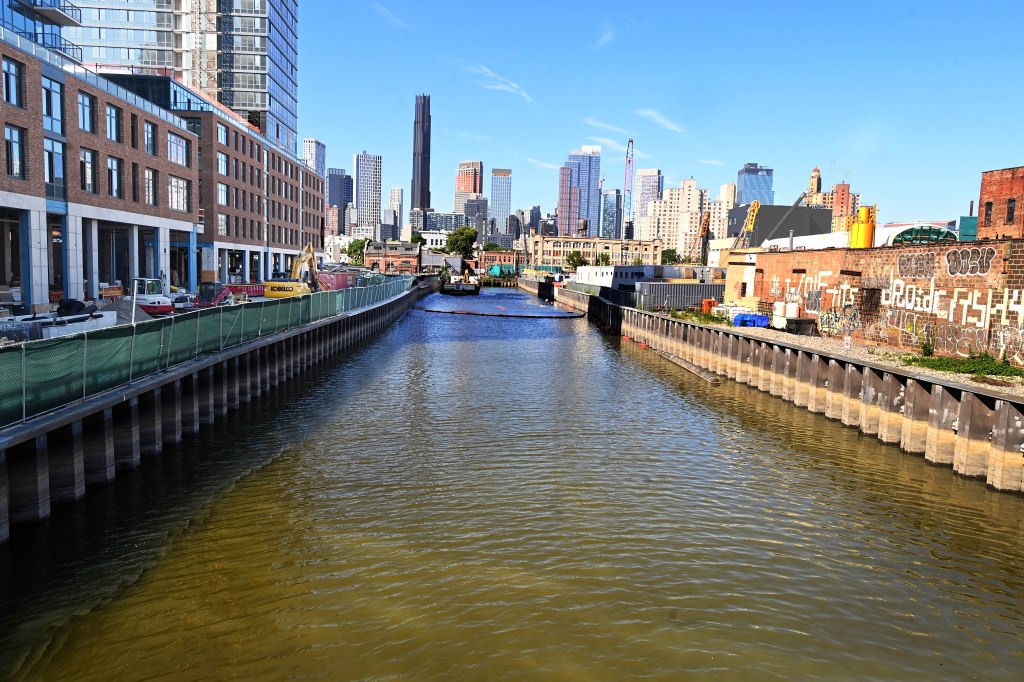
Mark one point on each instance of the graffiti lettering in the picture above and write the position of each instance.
(839, 321)
(969, 262)
(916, 265)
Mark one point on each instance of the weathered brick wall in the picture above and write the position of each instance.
(998, 187)
(967, 298)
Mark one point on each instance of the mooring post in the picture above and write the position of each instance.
(971, 450)
(127, 450)
(28, 481)
(943, 411)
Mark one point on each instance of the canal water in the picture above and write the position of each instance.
(486, 498)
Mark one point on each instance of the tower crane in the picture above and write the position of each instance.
(701, 243)
(627, 193)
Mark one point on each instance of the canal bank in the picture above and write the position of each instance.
(977, 432)
(55, 456)
(406, 513)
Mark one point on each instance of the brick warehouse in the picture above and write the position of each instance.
(1001, 203)
(966, 297)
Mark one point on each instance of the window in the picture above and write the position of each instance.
(222, 163)
(53, 168)
(222, 194)
(53, 106)
(87, 165)
(86, 112)
(222, 134)
(150, 135)
(12, 83)
(151, 178)
(988, 213)
(114, 187)
(134, 127)
(178, 193)
(222, 224)
(1011, 209)
(113, 123)
(14, 139)
(177, 149)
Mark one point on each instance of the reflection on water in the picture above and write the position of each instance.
(487, 498)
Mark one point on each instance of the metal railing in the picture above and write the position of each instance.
(37, 377)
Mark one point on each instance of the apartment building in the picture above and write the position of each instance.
(99, 185)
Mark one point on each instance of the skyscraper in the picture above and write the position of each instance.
(314, 153)
(367, 189)
(611, 214)
(754, 182)
(395, 200)
(244, 54)
(421, 154)
(579, 191)
(339, 188)
(501, 197)
(650, 184)
(469, 181)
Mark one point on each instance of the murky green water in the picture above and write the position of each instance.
(495, 498)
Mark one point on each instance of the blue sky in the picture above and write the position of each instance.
(907, 100)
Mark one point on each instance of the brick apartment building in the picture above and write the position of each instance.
(1000, 205)
(392, 258)
(260, 204)
(98, 185)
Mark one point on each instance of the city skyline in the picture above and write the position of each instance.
(888, 131)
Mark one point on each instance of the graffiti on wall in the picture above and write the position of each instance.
(915, 265)
(839, 321)
(969, 262)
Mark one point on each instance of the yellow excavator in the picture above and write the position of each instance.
(295, 285)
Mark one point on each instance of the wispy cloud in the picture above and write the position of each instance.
(657, 118)
(712, 162)
(607, 36)
(617, 146)
(390, 16)
(601, 125)
(542, 164)
(499, 82)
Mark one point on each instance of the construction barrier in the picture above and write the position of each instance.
(39, 376)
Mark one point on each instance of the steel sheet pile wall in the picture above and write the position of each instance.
(979, 433)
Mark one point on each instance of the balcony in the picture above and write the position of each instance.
(52, 41)
(59, 12)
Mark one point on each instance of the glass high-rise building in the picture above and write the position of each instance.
(367, 189)
(45, 23)
(579, 191)
(754, 182)
(242, 53)
(611, 214)
(314, 153)
(339, 188)
(501, 197)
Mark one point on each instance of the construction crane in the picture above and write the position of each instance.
(700, 245)
(803, 195)
(627, 193)
(743, 238)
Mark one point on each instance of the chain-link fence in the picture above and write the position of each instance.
(39, 376)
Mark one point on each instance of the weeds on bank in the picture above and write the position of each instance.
(981, 366)
(696, 316)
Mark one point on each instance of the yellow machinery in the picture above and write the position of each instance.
(743, 238)
(701, 243)
(862, 234)
(295, 285)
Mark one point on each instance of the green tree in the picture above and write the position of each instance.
(575, 259)
(638, 261)
(418, 238)
(603, 259)
(461, 241)
(355, 251)
(669, 256)
(492, 246)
